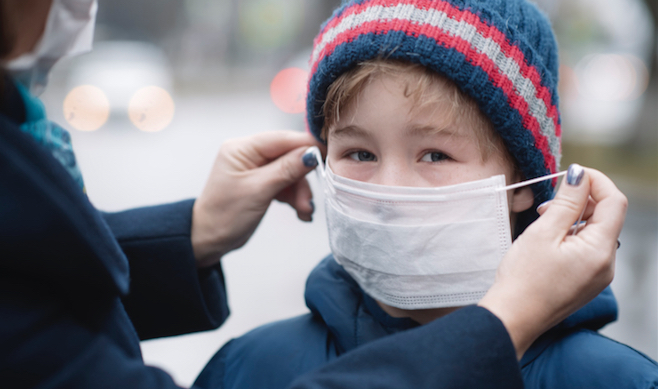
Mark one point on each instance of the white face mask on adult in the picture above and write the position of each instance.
(419, 248)
(69, 31)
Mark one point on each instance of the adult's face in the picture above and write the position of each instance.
(23, 23)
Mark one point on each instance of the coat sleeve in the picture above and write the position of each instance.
(168, 294)
(63, 339)
(469, 348)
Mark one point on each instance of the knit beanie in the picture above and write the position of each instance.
(500, 52)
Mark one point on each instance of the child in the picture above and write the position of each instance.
(421, 103)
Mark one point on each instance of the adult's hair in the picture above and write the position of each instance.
(7, 40)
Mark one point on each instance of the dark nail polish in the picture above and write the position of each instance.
(312, 204)
(310, 160)
(575, 174)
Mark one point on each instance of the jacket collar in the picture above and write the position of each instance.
(593, 316)
(354, 318)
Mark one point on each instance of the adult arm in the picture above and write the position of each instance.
(61, 277)
(65, 339)
(63, 273)
(177, 285)
(469, 348)
(168, 294)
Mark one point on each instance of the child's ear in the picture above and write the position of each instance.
(522, 199)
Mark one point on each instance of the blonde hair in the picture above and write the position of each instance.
(425, 87)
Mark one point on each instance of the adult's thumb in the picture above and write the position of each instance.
(286, 170)
(568, 204)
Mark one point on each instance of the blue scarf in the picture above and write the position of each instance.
(48, 134)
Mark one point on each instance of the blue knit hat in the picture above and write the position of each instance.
(500, 52)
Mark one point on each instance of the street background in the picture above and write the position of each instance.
(170, 80)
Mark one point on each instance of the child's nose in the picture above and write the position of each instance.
(394, 174)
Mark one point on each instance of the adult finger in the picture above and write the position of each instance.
(610, 211)
(589, 210)
(567, 205)
(285, 171)
(304, 200)
(300, 197)
(268, 146)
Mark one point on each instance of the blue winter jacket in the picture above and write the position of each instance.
(343, 318)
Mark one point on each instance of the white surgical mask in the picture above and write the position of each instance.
(69, 31)
(418, 248)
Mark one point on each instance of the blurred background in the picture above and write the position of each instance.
(170, 80)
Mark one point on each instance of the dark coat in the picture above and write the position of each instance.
(79, 289)
(344, 318)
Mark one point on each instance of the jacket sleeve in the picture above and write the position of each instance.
(469, 348)
(168, 294)
(63, 339)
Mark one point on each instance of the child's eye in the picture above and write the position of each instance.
(363, 156)
(434, 156)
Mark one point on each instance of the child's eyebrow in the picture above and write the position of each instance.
(434, 130)
(350, 131)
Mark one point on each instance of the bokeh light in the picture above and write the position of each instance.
(611, 77)
(151, 109)
(86, 108)
(288, 90)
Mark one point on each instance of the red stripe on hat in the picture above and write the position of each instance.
(477, 59)
(512, 51)
(486, 30)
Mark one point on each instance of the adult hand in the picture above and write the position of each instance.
(548, 273)
(247, 175)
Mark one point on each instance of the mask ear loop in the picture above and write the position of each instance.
(544, 178)
(533, 181)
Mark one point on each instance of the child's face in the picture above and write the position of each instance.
(380, 139)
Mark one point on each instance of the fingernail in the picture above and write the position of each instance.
(575, 174)
(312, 204)
(309, 159)
(542, 205)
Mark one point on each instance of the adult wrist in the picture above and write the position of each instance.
(204, 239)
(522, 325)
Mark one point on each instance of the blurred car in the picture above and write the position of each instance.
(120, 69)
